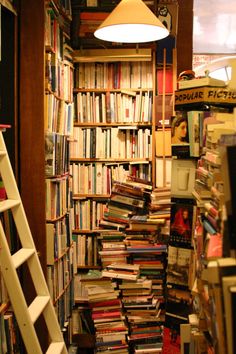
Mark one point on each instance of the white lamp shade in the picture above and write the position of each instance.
(131, 22)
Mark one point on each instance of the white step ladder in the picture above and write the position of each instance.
(26, 316)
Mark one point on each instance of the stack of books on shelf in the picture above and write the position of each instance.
(143, 315)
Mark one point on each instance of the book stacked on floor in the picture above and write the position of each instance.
(106, 313)
(142, 311)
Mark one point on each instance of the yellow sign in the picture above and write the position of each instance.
(215, 95)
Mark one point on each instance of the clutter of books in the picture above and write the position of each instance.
(126, 298)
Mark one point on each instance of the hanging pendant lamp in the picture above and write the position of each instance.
(131, 22)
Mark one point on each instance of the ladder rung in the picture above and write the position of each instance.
(3, 153)
(55, 348)
(37, 306)
(22, 255)
(8, 204)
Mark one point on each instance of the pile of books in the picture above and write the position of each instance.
(106, 311)
(127, 199)
(112, 247)
(121, 271)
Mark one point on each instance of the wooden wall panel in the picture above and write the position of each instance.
(185, 35)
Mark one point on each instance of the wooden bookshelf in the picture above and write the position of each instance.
(36, 87)
(213, 246)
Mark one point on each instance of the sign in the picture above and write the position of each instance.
(214, 95)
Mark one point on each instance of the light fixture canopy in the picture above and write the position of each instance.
(131, 22)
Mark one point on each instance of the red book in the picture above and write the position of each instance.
(106, 314)
(105, 303)
(94, 15)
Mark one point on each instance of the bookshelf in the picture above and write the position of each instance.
(58, 118)
(211, 136)
(114, 137)
(45, 171)
(113, 125)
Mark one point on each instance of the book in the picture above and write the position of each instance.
(182, 223)
(199, 82)
(163, 142)
(194, 122)
(182, 177)
(178, 269)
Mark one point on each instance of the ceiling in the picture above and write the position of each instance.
(214, 28)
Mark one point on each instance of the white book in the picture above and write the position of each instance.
(203, 81)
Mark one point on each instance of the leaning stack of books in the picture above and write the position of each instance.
(159, 208)
(124, 202)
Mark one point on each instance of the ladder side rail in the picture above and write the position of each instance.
(16, 296)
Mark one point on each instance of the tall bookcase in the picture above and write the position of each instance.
(113, 130)
(46, 78)
(114, 136)
(58, 117)
(212, 135)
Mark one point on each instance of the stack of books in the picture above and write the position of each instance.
(112, 248)
(160, 207)
(106, 311)
(126, 200)
(121, 271)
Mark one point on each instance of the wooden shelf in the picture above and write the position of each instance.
(111, 160)
(92, 124)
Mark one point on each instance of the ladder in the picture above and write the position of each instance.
(26, 316)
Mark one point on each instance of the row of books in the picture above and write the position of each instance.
(58, 115)
(53, 32)
(85, 250)
(63, 308)
(59, 238)
(60, 274)
(56, 154)
(112, 143)
(113, 107)
(57, 197)
(59, 77)
(95, 178)
(9, 333)
(135, 75)
(87, 213)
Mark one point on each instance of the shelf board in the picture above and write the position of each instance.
(86, 196)
(119, 90)
(113, 161)
(92, 124)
